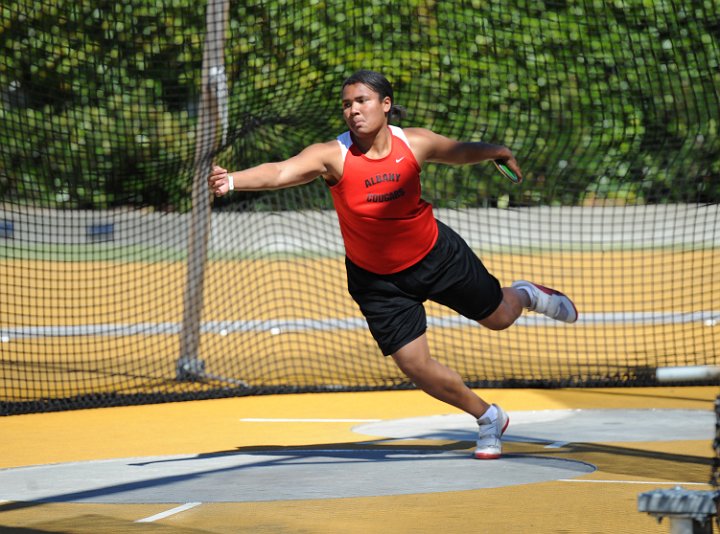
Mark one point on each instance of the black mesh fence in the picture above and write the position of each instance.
(117, 286)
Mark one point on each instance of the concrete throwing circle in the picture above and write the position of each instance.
(277, 475)
(550, 426)
(312, 473)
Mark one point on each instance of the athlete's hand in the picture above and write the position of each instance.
(218, 181)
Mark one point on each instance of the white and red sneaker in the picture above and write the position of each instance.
(548, 301)
(492, 426)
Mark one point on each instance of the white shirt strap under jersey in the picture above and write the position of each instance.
(399, 132)
(345, 143)
(345, 140)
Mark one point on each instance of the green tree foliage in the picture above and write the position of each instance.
(602, 101)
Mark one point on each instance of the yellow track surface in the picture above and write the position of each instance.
(604, 501)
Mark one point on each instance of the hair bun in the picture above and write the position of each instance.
(397, 112)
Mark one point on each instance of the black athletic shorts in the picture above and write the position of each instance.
(450, 274)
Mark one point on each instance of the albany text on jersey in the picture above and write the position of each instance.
(386, 225)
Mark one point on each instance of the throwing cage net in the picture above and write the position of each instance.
(119, 283)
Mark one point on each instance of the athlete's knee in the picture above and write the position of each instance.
(414, 367)
(497, 324)
(412, 357)
(505, 314)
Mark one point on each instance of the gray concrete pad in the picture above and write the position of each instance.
(277, 475)
(550, 426)
(374, 470)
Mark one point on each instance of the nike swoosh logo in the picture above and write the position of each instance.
(399, 159)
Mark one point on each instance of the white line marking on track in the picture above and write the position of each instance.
(282, 420)
(168, 513)
(223, 328)
(557, 445)
(656, 483)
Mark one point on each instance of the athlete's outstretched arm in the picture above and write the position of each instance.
(430, 146)
(316, 160)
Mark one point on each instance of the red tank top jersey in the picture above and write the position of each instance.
(385, 224)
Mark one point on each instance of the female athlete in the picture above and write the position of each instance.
(397, 254)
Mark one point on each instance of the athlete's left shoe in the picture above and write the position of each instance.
(491, 428)
(548, 301)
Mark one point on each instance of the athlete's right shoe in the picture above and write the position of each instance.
(549, 302)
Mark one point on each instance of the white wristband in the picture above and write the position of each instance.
(231, 182)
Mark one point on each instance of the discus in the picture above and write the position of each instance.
(506, 172)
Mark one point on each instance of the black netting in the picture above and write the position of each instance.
(117, 286)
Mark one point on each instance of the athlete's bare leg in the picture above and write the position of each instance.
(435, 379)
(440, 381)
(509, 310)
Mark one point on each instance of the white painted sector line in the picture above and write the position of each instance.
(653, 482)
(168, 513)
(557, 445)
(300, 420)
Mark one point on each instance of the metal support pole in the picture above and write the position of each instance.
(211, 128)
